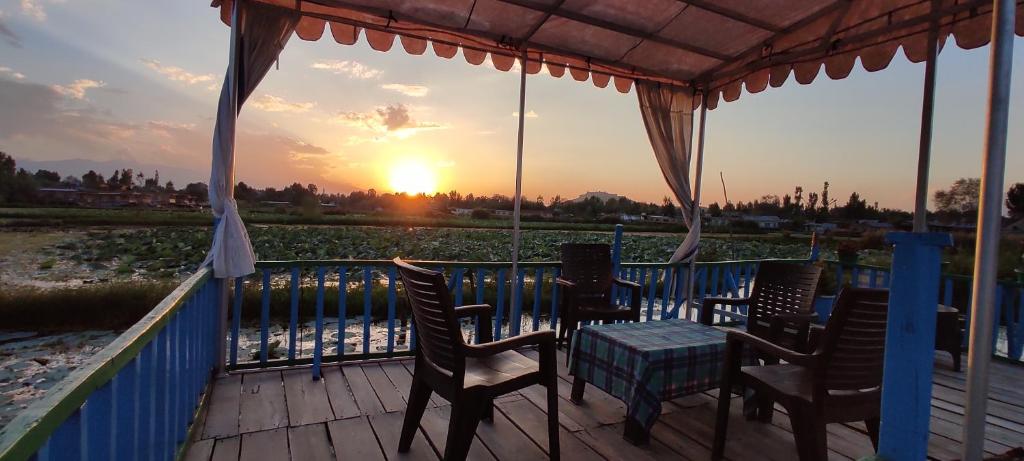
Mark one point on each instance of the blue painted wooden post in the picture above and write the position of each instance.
(342, 307)
(265, 317)
(499, 314)
(367, 306)
(554, 297)
(538, 285)
(516, 320)
(293, 319)
(236, 319)
(480, 286)
(651, 290)
(910, 343)
(392, 299)
(318, 337)
(666, 286)
(616, 258)
(457, 276)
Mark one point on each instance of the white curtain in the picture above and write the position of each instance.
(668, 116)
(265, 31)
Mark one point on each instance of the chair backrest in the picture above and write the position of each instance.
(438, 334)
(780, 288)
(589, 266)
(852, 347)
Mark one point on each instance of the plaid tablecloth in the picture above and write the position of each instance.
(644, 364)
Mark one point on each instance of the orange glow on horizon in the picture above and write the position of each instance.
(412, 176)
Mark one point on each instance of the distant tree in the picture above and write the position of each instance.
(812, 202)
(1015, 200)
(855, 208)
(47, 177)
(715, 210)
(480, 213)
(71, 181)
(824, 198)
(246, 193)
(114, 181)
(127, 179)
(169, 187)
(197, 190)
(7, 175)
(798, 196)
(960, 201)
(23, 189)
(91, 180)
(667, 208)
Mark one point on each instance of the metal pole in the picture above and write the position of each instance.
(986, 249)
(518, 201)
(225, 284)
(925, 143)
(695, 215)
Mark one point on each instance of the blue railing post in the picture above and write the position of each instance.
(616, 258)
(910, 343)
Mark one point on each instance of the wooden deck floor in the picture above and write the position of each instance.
(356, 411)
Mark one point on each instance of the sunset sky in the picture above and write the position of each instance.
(136, 82)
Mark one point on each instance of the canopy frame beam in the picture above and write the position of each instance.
(518, 200)
(927, 113)
(983, 307)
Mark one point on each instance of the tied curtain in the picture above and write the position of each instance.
(668, 116)
(264, 33)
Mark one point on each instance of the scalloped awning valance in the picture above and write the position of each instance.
(719, 45)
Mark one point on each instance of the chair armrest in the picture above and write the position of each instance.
(712, 300)
(635, 292)
(626, 283)
(814, 336)
(473, 309)
(537, 338)
(799, 321)
(769, 348)
(484, 330)
(707, 306)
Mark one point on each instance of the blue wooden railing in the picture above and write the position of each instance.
(955, 291)
(137, 397)
(284, 292)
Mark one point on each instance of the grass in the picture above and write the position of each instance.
(108, 306)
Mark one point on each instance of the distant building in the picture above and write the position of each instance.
(461, 211)
(820, 227)
(765, 222)
(116, 199)
(871, 224)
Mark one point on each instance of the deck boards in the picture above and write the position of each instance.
(356, 412)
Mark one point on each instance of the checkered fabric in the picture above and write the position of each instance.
(646, 363)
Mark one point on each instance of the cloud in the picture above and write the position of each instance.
(352, 69)
(77, 88)
(7, 33)
(416, 91)
(8, 71)
(529, 114)
(271, 103)
(391, 121)
(33, 9)
(177, 74)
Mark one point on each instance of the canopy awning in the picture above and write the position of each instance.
(718, 45)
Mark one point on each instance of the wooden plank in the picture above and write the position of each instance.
(200, 450)
(342, 401)
(307, 400)
(435, 425)
(570, 416)
(402, 379)
(366, 398)
(679, 443)
(608, 442)
(222, 416)
(506, 441)
(385, 389)
(533, 422)
(354, 439)
(309, 443)
(226, 449)
(269, 445)
(388, 427)
(262, 404)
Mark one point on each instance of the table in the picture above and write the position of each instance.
(646, 363)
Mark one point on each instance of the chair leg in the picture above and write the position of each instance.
(765, 409)
(872, 425)
(461, 429)
(722, 419)
(809, 434)
(956, 359)
(419, 396)
(554, 452)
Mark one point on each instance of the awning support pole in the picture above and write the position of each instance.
(695, 212)
(925, 142)
(983, 306)
(518, 200)
(225, 284)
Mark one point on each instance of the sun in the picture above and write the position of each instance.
(412, 176)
